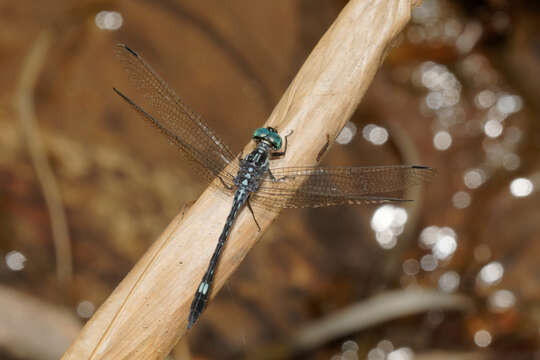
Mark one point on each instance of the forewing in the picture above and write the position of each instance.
(318, 186)
(182, 126)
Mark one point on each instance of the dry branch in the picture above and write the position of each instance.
(147, 313)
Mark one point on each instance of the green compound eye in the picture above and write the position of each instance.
(260, 133)
(270, 135)
(275, 140)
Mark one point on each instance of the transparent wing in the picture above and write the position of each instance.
(318, 186)
(182, 126)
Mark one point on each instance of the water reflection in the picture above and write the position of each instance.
(427, 13)
(349, 355)
(85, 309)
(15, 260)
(403, 353)
(441, 241)
(376, 354)
(386, 346)
(445, 247)
(385, 351)
(109, 20)
(449, 281)
(429, 262)
(346, 135)
(491, 273)
(377, 135)
(349, 351)
(461, 200)
(470, 36)
(442, 140)
(411, 267)
(349, 345)
(445, 89)
(521, 187)
(428, 237)
(473, 178)
(501, 300)
(485, 99)
(493, 128)
(388, 222)
(509, 104)
(482, 338)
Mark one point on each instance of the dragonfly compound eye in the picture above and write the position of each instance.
(261, 134)
(269, 135)
(275, 140)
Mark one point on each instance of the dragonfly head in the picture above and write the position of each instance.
(268, 135)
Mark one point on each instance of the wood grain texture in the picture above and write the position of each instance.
(147, 313)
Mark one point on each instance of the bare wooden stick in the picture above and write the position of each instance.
(147, 313)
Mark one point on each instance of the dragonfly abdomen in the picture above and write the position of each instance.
(203, 291)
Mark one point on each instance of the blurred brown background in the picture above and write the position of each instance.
(459, 92)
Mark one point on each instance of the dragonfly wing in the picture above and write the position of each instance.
(182, 126)
(318, 186)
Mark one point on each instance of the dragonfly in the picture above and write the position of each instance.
(250, 179)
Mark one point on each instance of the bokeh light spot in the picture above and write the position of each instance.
(521, 187)
(85, 309)
(493, 128)
(491, 273)
(449, 281)
(109, 20)
(15, 260)
(501, 300)
(347, 134)
(482, 338)
(442, 140)
(461, 200)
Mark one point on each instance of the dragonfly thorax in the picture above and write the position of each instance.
(253, 167)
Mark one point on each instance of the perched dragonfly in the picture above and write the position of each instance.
(251, 180)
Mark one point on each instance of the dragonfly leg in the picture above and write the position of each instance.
(281, 179)
(253, 214)
(228, 187)
(277, 154)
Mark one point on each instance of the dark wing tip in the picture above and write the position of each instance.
(122, 95)
(124, 46)
(428, 170)
(135, 106)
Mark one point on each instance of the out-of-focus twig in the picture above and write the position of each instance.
(32, 329)
(25, 108)
(448, 355)
(376, 310)
(409, 154)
